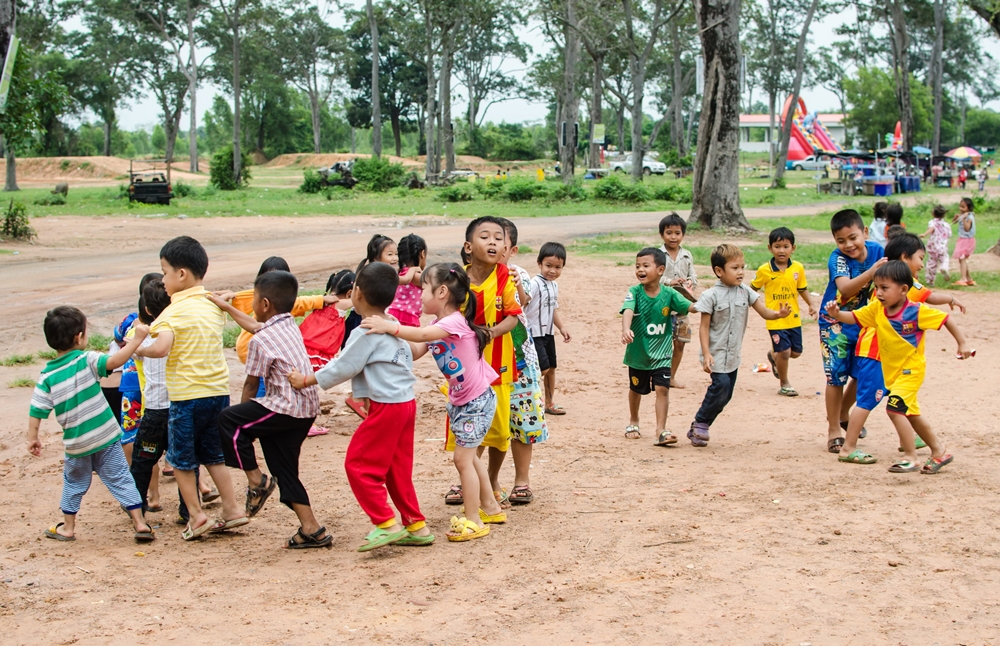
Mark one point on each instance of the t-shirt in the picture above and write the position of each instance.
(840, 266)
(781, 287)
(457, 356)
(69, 386)
(729, 309)
(653, 345)
(971, 233)
(901, 336)
(541, 309)
(867, 346)
(876, 232)
(500, 294)
(196, 365)
(276, 350)
(153, 380)
(380, 367)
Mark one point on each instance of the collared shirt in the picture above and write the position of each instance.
(196, 365)
(541, 310)
(683, 267)
(276, 350)
(782, 287)
(496, 299)
(729, 308)
(153, 379)
(901, 336)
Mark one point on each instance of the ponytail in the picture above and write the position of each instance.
(456, 280)
(376, 246)
(409, 248)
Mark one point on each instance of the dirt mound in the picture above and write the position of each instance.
(80, 169)
(310, 160)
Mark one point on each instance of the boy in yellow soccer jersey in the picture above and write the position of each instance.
(783, 281)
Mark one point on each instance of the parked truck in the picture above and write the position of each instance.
(649, 166)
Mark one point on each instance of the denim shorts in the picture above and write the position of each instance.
(470, 422)
(193, 433)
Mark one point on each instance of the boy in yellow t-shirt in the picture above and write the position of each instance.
(900, 325)
(784, 282)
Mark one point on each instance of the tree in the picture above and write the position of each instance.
(829, 72)
(716, 170)
(570, 99)
(936, 72)
(786, 128)
(896, 18)
(874, 106)
(159, 70)
(375, 93)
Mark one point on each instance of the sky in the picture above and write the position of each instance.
(144, 113)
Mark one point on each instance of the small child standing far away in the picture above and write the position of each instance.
(724, 309)
(678, 273)
(380, 455)
(876, 231)
(647, 333)
(937, 234)
(783, 281)
(91, 437)
(542, 313)
(900, 325)
(966, 245)
(412, 253)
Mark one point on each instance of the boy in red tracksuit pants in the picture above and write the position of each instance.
(380, 455)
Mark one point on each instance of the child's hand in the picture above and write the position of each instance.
(515, 277)
(832, 308)
(964, 352)
(225, 296)
(954, 303)
(376, 325)
(812, 311)
(297, 379)
(330, 299)
(627, 337)
(784, 311)
(708, 363)
(141, 331)
(878, 263)
(35, 447)
(218, 299)
(565, 335)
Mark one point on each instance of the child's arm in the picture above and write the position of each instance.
(417, 349)
(937, 298)
(833, 311)
(377, 325)
(118, 359)
(967, 223)
(34, 444)
(769, 314)
(522, 296)
(804, 294)
(627, 335)
(250, 387)
(503, 327)
(411, 276)
(848, 287)
(703, 330)
(963, 348)
(350, 362)
(160, 347)
(559, 326)
(245, 321)
(926, 233)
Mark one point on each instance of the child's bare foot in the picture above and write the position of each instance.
(676, 384)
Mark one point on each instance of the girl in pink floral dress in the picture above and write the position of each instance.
(938, 232)
(412, 258)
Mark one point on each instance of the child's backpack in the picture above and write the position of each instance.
(323, 333)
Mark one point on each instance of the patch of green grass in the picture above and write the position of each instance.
(986, 281)
(18, 360)
(6, 252)
(98, 342)
(47, 355)
(229, 335)
(21, 382)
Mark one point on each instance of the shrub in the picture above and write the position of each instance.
(221, 170)
(780, 183)
(16, 224)
(613, 189)
(51, 200)
(681, 193)
(311, 182)
(520, 190)
(571, 192)
(978, 204)
(377, 174)
(455, 193)
(336, 193)
(64, 165)
(183, 190)
(490, 189)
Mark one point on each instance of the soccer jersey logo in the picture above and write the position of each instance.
(499, 303)
(665, 311)
(795, 275)
(909, 327)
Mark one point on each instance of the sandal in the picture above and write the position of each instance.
(210, 496)
(665, 438)
(412, 540)
(261, 493)
(833, 446)
(774, 367)
(463, 529)
(454, 496)
(191, 533)
(317, 430)
(521, 495)
(858, 457)
(230, 524)
(698, 434)
(53, 533)
(145, 537)
(357, 406)
(308, 541)
(788, 391)
(378, 537)
(555, 410)
(154, 509)
(632, 432)
(919, 443)
(933, 465)
(493, 519)
(862, 435)
(503, 498)
(904, 466)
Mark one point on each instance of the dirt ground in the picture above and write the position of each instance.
(761, 538)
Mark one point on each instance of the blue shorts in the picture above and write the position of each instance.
(837, 347)
(788, 339)
(470, 422)
(193, 433)
(871, 383)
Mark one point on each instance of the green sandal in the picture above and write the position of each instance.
(904, 466)
(920, 445)
(411, 540)
(378, 537)
(858, 457)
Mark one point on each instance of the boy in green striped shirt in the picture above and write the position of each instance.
(69, 386)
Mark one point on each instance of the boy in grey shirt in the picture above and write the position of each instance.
(724, 309)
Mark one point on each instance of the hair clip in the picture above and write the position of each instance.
(452, 271)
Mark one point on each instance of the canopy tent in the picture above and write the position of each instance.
(920, 150)
(963, 152)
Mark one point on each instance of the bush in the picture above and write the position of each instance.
(183, 190)
(490, 189)
(51, 200)
(455, 193)
(523, 190)
(780, 183)
(571, 192)
(681, 193)
(978, 204)
(64, 165)
(337, 193)
(377, 174)
(221, 170)
(613, 189)
(311, 182)
(16, 224)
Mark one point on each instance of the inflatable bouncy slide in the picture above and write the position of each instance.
(809, 137)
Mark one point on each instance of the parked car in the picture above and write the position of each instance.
(812, 162)
(649, 166)
(149, 186)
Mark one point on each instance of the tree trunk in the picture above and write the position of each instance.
(716, 167)
(396, 132)
(961, 114)
(108, 121)
(620, 125)
(936, 73)
(570, 101)
(7, 18)
(690, 124)
(170, 128)
(786, 126)
(237, 155)
(430, 109)
(376, 93)
(677, 118)
(447, 132)
(900, 49)
(11, 180)
(193, 92)
(596, 110)
(314, 108)
(638, 145)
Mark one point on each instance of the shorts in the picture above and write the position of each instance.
(965, 247)
(545, 346)
(903, 394)
(787, 339)
(644, 381)
(527, 408)
(871, 382)
(193, 433)
(682, 330)
(131, 407)
(470, 421)
(837, 348)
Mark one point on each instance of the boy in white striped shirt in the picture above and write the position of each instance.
(542, 313)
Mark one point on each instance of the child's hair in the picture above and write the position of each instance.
(61, 326)
(485, 219)
(456, 280)
(904, 244)
(726, 252)
(897, 271)
(184, 252)
(409, 248)
(340, 283)
(147, 279)
(510, 230)
(879, 210)
(673, 220)
(846, 219)
(466, 257)
(781, 233)
(967, 201)
(659, 258)
(894, 214)
(279, 287)
(939, 212)
(894, 230)
(376, 246)
(154, 299)
(552, 250)
(274, 263)
(378, 282)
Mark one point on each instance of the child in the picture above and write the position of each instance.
(647, 333)
(900, 326)
(542, 313)
(783, 281)
(412, 258)
(679, 272)
(341, 285)
(457, 343)
(91, 436)
(937, 234)
(893, 216)
(380, 455)
(282, 418)
(189, 333)
(380, 249)
(876, 232)
(966, 245)
(981, 177)
(852, 266)
(723, 309)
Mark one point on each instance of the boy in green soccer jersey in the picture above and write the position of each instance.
(648, 335)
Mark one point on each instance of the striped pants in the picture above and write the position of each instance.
(110, 466)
